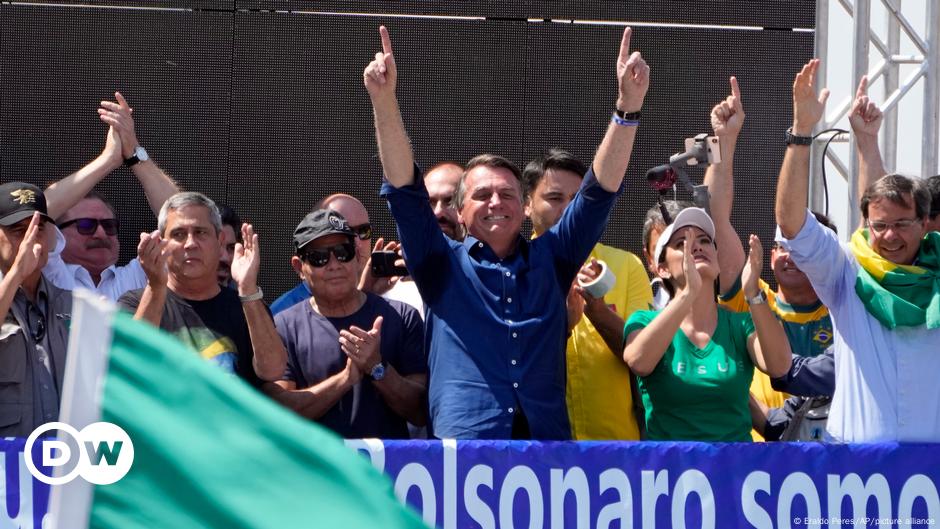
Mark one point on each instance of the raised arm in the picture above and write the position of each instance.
(270, 356)
(381, 78)
(62, 195)
(768, 344)
(727, 120)
(793, 184)
(646, 347)
(158, 186)
(120, 144)
(613, 154)
(866, 119)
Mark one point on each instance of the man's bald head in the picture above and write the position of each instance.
(441, 182)
(356, 215)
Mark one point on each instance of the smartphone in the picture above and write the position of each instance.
(383, 264)
(711, 145)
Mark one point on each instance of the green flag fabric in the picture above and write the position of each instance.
(211, 452)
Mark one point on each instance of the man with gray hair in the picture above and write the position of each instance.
(232, 329)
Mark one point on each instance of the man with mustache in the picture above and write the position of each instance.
(87, 247)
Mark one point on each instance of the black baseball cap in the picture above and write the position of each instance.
(19, 200)
(321, 223)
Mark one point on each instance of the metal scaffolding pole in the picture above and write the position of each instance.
(889, 147)
(817, 194)
(931, 92)
(861, 40)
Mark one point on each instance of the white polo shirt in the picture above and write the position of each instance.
(886, 380)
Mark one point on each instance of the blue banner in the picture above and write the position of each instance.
(530, 485)
(499, 484)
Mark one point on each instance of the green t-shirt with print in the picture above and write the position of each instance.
(699, 394)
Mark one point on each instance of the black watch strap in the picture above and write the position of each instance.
(793, 139)
(132, 161)
(628, 116)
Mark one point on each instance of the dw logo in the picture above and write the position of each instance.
(103, 450)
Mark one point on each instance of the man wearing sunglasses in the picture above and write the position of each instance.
(87, 249)
(351, 209)
(355, 361)
(35, 315)
(882, 290)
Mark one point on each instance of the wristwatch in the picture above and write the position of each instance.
(140, 155)
(378, 371)
(252, 297)
(793, 139)
(759, 299)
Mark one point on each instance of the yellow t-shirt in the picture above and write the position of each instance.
(600, 404)
(808, 329)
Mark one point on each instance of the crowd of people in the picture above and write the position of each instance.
(476, 332)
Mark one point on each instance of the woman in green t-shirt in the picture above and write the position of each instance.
(695, 360)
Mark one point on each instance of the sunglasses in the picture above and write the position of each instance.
(362, 231)
(36, 323)
(90, 226)
(318, 257)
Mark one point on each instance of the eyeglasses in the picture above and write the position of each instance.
(362, 231)
(878, 226)
(90, 226)
(36, 323)
(318, 257)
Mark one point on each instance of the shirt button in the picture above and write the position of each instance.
(480, 245)
(514, 362)
(510, 410)
(514, 335)
(508, 300)
(515, 384)
(45, 387)
(508, 273)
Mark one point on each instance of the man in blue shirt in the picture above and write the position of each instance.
(496, 301)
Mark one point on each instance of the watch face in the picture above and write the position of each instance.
(378, 371)
(141, 154)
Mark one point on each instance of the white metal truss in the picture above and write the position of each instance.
(886, 69)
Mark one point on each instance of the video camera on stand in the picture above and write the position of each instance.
(700, 150)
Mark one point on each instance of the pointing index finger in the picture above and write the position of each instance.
(862, 87)
(386, 40)
(625, 45)
(735, 90)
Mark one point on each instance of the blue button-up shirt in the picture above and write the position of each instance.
(497, 326)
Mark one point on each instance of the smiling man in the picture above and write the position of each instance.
(882, 290)
(496, 302)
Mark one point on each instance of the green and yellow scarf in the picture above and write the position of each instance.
(899, 295)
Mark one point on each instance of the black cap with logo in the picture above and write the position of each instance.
(321, 223)
(19, 200)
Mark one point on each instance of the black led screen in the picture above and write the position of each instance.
(265, 109)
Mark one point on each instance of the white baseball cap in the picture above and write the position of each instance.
(687, 217)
